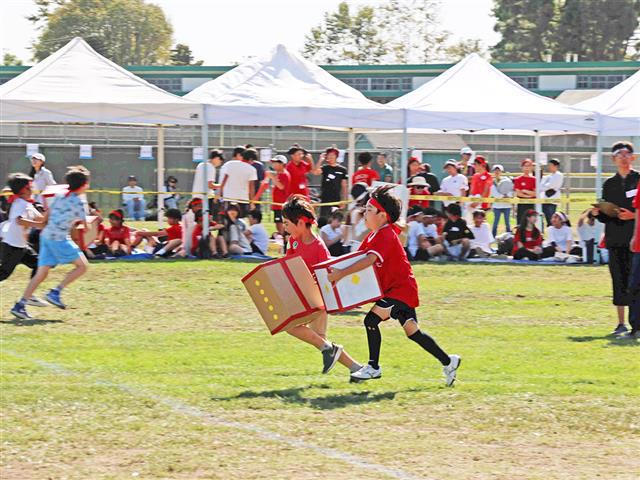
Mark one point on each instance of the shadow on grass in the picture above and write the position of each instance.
(613, 340)
(329, 402)
(29, 323)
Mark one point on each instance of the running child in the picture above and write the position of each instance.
(56, 246)
(298, 219)
(399, 286)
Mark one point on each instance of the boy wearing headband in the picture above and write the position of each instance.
(298, 219)
(56, 246)
(398, 284)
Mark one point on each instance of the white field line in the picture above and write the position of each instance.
(215, 421)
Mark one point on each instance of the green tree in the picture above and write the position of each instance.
(181, 55)
(10, 59)
(596, 30)
(129, 32)
(527, 28)
(461, 49)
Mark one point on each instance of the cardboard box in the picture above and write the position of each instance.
(352, 291)
(285, 293)
(85, 237)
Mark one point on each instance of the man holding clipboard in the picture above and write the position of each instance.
(619, 190)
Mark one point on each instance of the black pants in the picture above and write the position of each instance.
(620, 270)
(634, 293)
(337, 249)
(256, 249)
(522, 209)
(11, 257)
(524, 253)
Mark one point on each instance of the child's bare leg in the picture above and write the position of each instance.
(36, 280)
(212, 245)
(137, 240)
(81, 268)
(222, 244)
(173, 245)
(114, 246)
(320, 327)
(304, 333)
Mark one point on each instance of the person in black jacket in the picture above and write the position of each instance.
(621, 190)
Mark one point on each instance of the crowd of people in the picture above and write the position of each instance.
(454, 229)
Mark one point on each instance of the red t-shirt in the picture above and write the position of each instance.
(280, 195)
(422, 203)
(529, 242)
(394, 270)
(298, 183)
(524, 183)
(312, 253)
(117, 234)
(636, 204)
(365, 175)
(195, 237)
(174, 232)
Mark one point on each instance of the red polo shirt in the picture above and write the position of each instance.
(480, 182)
(174, 232)
(280, 195)
(636, 204)
(524, 183)
(365, 175)
(312, 253)
(298, 181)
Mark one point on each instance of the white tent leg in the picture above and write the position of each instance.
(538, 170)
(160, 174)
(404, 154)
(205, 183)
(598, 165)
(351, 165)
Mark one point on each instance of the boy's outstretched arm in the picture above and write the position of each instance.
(337, 274)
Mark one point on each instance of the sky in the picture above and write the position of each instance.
(223, 32)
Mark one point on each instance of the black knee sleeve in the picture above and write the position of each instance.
(372, 320)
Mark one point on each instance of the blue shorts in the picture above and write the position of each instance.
(57, 252)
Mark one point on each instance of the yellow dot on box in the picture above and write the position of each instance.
(257, 283)
(271, 308)
(327, 288)
(275, 316)
(261, 291)
(355, 279)
(266, 299)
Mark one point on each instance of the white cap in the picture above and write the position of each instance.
(497, 166)
(39, 156)
(280, 158)
(418, 181)
(466, 150)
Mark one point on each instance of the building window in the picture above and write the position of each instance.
(530, 83)
(382, 83)
(599, 82)
(4, 80)
(361, 84)
(173, 85)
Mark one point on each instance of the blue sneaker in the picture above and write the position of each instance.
(53, 297)
(20, 311)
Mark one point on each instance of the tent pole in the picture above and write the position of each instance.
(404, 154)
(160, 174)
(599, 162)
(205, 184)
(538, 170)
(351, 165)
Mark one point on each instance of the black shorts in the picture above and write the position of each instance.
(399, 310)
(277, 216)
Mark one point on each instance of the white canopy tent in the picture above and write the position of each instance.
(618, 112)
(77, 84)
(475, 96)
(285, 89)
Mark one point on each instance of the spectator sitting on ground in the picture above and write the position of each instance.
(234, 232)
(456, 234)
(256, 233)
(133, 199)
(560, 236)
(590, 230)
(332, 234)
(365, 174)
(166, 241)
(419, 245)
(527, 241)
(430, 221)
(117, 237)
(188, 222)
(483, 238)
(216, 246)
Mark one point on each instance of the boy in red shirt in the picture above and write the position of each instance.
(281, 179)
(301, 163)
(298, 219)
(365, 174)
(525, 187)
(399, 286)
(214, 242)
(481, 181)
(634, 278)
(173, 233)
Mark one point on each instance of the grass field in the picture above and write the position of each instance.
(163, 370)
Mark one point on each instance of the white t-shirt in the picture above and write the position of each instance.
(260, 237)
(12, 233)
(552, 182)
(416, 230)
(198, 183)
(483, 237)
(132, 193)
(456, 185)
(239, 175)
(330, 232)
(430, 231)
(42, 179)
(560, 236)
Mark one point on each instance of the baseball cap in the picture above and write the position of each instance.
(525, 161)
(131, 177)
(497, 166)
(39, 156)
(480, 159)
(332, 149)
(466, 151)
(418, 181)
(280, 158)
(616, 147)
(296, 148)
(415, 210)
(450, 163)
(555, 161)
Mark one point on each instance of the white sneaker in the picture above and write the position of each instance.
(451, 370)
(366, 373)
(36, 302)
